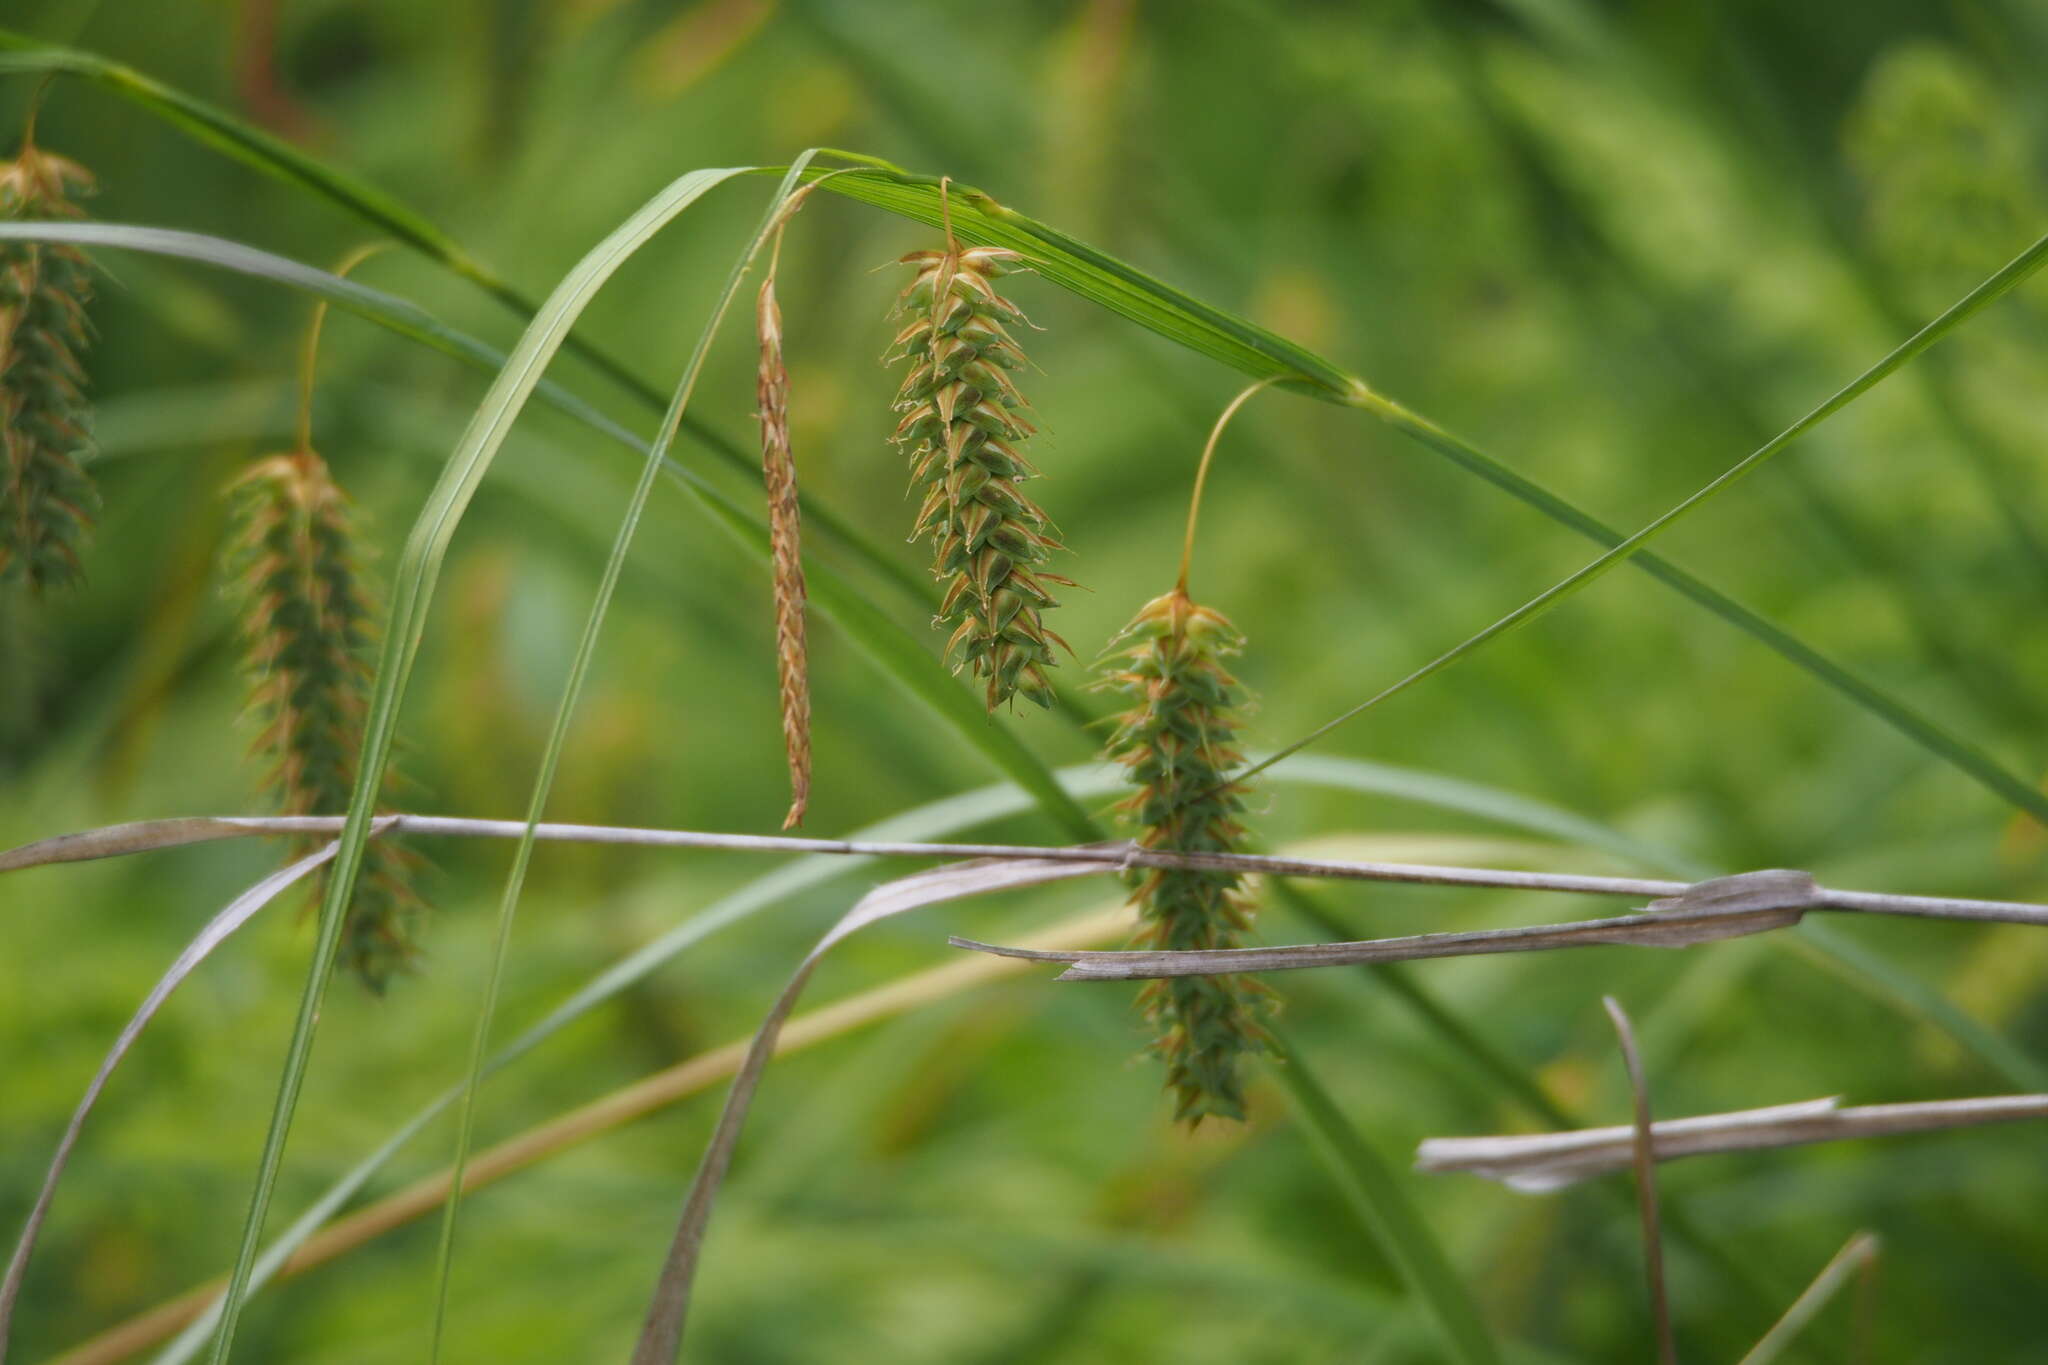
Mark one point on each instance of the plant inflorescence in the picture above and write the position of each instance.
(47, 500)
(1178, 744)
(961, 422)
(305, 625)
(778, 473)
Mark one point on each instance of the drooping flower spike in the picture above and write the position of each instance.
(962, 422)
(1178, 745)
(47, 499)
(306, 628)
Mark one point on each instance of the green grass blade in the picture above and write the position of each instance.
(558, 733)
(1095, 275)
(273, 156)
(1909, 722)
(23, 55)
(411, 594)
(2013, 274)
(1899, 990)
(1374, 1193)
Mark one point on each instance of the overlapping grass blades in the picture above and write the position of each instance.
(217, 128)
(893, 648)
(412, 593)
(939, 819)
(579, 668)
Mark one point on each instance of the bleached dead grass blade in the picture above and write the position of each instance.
(1712, 911)
(662, 1333)
(1542, 1162)
(238, 913)
(114, 841)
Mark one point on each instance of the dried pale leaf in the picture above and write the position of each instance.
(238, 913)
(1652, 928)
(1547, 1161)
(113, 841)
(661, 1335)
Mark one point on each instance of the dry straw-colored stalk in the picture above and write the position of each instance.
(961, 422)
(306, 625)
(778, 472)
(47, 500)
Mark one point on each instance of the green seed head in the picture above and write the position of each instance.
(959, 428)
(1178, 745)
(47, 500)
(305, 624)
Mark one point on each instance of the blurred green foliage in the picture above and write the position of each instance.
(1617, 245)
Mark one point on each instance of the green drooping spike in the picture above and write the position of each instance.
(1178, 744)
(961, 422)
(306, 626)
(47, 500)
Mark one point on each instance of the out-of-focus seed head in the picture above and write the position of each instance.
(47, 500)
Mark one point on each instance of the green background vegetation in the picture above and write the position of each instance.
(1616, 246)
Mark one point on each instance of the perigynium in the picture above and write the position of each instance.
(306, 626)
(47, 500)
(1178, 744)
(961, 422)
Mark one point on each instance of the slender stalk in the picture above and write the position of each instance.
(1645, 1162)
(1859, 1254)
(309, 353)
(1187, 548)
